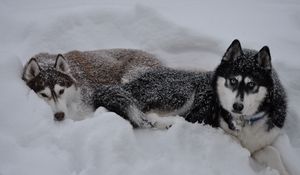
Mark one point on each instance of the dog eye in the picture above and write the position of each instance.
(233, 81)
(61, 91)
(251, 85)
(44, 95)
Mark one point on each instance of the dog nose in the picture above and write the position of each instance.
(238, 107)
(59, 116)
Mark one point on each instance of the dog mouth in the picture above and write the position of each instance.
(237, 112)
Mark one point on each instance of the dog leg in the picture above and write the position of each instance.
(116, 99)
(136, 115)
(270, 157)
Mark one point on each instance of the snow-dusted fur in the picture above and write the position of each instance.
(66, 82)
(252, 101)
(252, 107)
(163, 90)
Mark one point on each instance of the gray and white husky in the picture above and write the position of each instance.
(243, 96)
(66, 82)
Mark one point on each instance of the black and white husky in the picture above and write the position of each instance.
(252, 102)
(243, 96)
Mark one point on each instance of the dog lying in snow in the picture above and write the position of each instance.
(243, 96)
(66, 82)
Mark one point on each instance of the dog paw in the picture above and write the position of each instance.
(235, 126)
(159, 125)
(169, 126)
(146, 124)
(238, 128)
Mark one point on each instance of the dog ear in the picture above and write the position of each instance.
(233, 51)
(31, 70)
(263, 58)
(61, 64)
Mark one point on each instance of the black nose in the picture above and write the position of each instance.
(238, 107)
(59, 116)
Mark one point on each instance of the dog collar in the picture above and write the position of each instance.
(255, 118)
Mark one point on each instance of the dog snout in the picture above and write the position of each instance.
(238, 107)
(59, 116)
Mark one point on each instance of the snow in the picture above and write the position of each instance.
(186, 34)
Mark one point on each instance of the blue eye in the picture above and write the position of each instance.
(251, 85)
(233, 81)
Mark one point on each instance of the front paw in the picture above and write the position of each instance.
(234, 126)
(237, 127)
(160, 125)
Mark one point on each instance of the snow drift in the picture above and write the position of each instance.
(183, 34)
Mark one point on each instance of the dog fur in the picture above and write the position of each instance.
(243, 96)
(66, 82)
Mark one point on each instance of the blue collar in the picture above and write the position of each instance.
(255, 118)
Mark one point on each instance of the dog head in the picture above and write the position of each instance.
(243, 79)
(54, 84)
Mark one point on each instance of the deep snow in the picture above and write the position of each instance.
(187, 34)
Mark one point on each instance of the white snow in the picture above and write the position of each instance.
(187, 34)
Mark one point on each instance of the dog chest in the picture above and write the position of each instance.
(253, 136)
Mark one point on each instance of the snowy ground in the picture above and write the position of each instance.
(188, 34)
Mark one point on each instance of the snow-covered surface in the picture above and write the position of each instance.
(187, 34)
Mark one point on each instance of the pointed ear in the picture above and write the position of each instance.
(263, 58)
(234, 51)
(61, 64)
(31, 70)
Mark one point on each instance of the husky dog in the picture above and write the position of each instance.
(243, 96)
(252, 102)
(66, 82)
